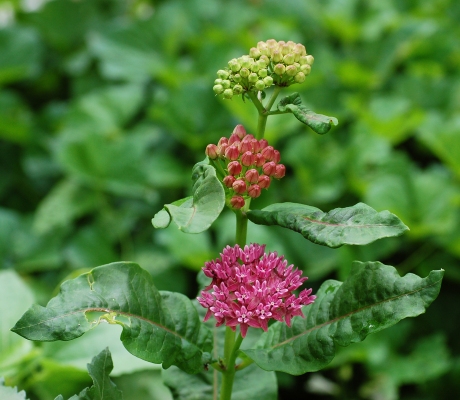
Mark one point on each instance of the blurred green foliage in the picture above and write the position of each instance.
(105, 105)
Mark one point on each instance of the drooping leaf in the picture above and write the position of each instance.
(358, 225)
(195, 214)
(374, 297)
(318, 122)
(157, 327)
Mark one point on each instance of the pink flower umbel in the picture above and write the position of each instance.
(250, 287)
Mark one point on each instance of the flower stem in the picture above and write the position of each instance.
(264, 112)
(241, 228)
(230, 351)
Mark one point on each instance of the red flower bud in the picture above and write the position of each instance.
(247, 159)
(264, 181)
(221, 141)
(269, 168)
(255, 145)
(233, 139)
(234, 168)
(263, 143)
(280, 171)
(211, 151)
(259, 160)
(228, 181)
(252, 176)
(237, 202)
(276, 156)
(268, 153)
(232, 153)
(254, 191)
(245, 146)
(221, 149)
(239, 186)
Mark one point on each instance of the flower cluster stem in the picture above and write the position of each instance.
(241, 228)
(264, 111)
(230, 352)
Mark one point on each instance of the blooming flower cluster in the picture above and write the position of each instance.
(249, 165)
(250, 287)
(270, 63)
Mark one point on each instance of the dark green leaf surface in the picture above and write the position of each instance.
(374, 297)
(195, 214)
(356, 225)
(319, 123)
(157, 327)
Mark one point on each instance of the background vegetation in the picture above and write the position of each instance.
(105, 105)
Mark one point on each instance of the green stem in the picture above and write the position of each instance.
(230, 352)
(264, 112)
(275, 94)
(241, 228)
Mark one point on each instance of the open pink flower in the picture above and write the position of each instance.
(250, 287)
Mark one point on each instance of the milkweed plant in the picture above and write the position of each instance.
(254, 314)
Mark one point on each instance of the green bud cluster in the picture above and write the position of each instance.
(270, 63)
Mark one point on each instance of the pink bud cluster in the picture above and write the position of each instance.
(250, 287)
(249, 164)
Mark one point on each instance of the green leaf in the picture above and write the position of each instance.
(99, 369)
(356, 225)
(318, 122)
(9, 393)
(159, 328)
(374, 297)
(196, 214)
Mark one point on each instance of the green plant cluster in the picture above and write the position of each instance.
(105, 106)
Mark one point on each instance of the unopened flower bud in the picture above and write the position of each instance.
(255, 146)
(232, 153)
(259, 160)
(221, 149)
(254, 52)
(262, 64)
(299, 77)
(297, 55)
(310, 59)
(234, 65)
(300, 48)
(265, 59)
(252, 176)
(279, 69)
(246, 62)
(254, 191)
(245, 146)
(263, 143)
(263, 48)
(255, 67)
(228, 181)
(264, 181)
(259, 85)
(269, 168)
(211, 151)
(222, 74)
(226, 83)
(253, 77)
(268, 81)
(247, 159)
(262, 72)
(277, 56)
(237, 202)
(280, 171)
(239, 186)
(237, 89)
(276, 156)
(289, 59)
(268, 153)
(222, 140)
(218, 89)
(305, 69)
(291, 70)
(239, 131)
(237, 78)
(234, 168)
(218, 81)
(244, 72)
(228, 93)
(285, 49)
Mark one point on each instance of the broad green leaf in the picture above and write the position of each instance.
(356, 225)
(195, 214)
(319, 123)
(15, 297)
(9, 393)
(374, 297)
(157, 327)
(250, 384)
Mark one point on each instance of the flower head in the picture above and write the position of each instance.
(270, 63)
(250, 287)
